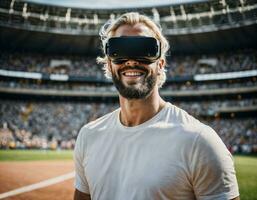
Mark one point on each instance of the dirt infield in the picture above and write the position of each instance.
(14, 175)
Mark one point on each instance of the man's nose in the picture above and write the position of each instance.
(131, 62)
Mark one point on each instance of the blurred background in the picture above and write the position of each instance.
(51, 85)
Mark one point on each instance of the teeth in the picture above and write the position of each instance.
(132, 73)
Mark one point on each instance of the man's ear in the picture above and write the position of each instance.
(161, 65)
(109, 64)
(108, 68)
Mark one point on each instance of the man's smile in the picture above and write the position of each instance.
(133, 73)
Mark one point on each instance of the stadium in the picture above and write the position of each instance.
(51, 84)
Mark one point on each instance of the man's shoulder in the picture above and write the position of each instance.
(186, 122)
(179, 116)
(101, 123)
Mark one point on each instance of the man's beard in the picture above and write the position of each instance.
(134, 91)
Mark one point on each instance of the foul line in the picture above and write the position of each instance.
(38, 185)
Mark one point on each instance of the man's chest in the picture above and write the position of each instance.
(133, 167)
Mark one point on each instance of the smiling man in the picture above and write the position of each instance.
(148, 148)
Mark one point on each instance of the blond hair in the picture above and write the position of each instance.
(132, 18)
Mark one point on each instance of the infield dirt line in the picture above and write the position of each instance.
(38, 185)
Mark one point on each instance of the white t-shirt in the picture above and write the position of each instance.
(171, 156)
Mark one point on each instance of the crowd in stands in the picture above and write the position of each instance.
(188, 86)
(46, 122)
(239, 135)
(89, 87)
(71, 65)
(56, 86)
(55, 125)
(87, 67)
(177, 65)
(210, 108)
(218, 63)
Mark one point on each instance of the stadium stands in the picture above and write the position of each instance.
(182, 18)
(51, 125)
(51, 85)
(177, 65)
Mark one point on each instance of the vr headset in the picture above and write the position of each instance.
(140, 48)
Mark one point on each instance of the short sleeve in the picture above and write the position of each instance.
(81, 183)
(213, 173)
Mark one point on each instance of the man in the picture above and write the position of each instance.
(147, 149)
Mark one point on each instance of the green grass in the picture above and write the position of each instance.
(246, 166)
(246, 170)
(32, 155)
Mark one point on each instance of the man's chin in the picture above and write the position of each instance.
(134, 92)
(133, 85)
(129, 83)
(134, 89)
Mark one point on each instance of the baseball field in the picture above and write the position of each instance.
(35, 174)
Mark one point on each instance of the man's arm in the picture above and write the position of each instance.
(213, 171)
(83, 196)
(80, 178)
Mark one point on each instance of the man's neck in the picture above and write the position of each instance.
(138, 111)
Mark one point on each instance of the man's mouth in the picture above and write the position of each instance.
(133, 73)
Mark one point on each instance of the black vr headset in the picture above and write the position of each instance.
(140, 48)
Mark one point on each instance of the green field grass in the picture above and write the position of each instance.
(31, 155)
(246, 166)
(246, 171)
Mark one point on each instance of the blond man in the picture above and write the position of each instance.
(148, 149)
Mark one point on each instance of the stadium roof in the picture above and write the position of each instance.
(112, 4)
